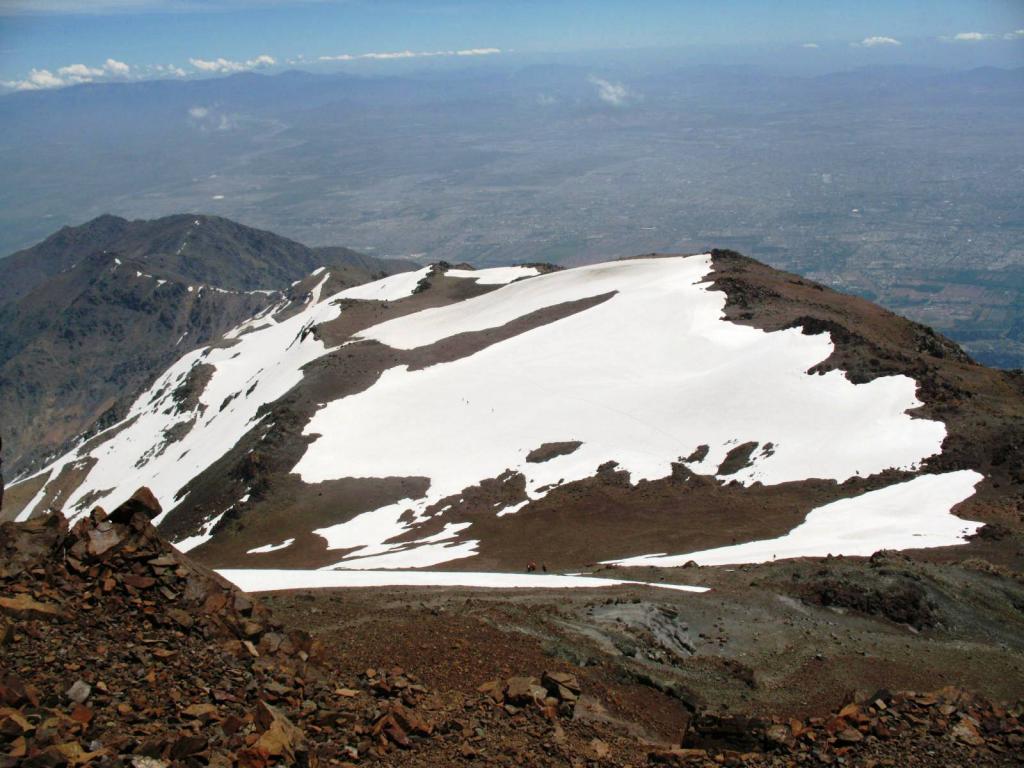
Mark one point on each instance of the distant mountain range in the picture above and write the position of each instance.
(647, 412)
(90, 315)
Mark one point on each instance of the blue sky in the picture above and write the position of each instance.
(68, 41)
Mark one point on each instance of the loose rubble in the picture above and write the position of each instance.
(120, 651)
(117, 650)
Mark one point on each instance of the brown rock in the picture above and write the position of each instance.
(180, 617)
(966, 732)
(204, 711)
(142, 502)
(562, 685)
(280, 738)
(390, 727)
(21, 606)
(495, 689)
(12, 723)
(187, 744)
(524, 690)
(410, 722)
(102, 539)
(849, 736)
(779, 737)
(139, 582)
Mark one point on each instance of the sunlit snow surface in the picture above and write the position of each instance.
(390, 288)
(257, 580)
(270, 547)
(494, 275)
(909, 515)
(642, 379)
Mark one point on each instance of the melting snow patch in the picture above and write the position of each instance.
(495, 275)
(257, 580)
(390, 288)
(205, 534)
(911, 515)
(512, 509)
(270, 547)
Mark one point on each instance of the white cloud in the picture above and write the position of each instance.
(877, 40)
(610, 93)
(117, 68)
(71, 74)
(388, 55)
(967, 37)
(1017, 34)
(79, 71)
(168, 69)
(226, 66)
(37, 79)
(810, 45)
(209, 119)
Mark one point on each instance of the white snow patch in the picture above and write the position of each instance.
(36, 500)
(265, 580)
(419, 556)
(205, 534)
(513, 508)
(390, 288)
(911, 515)
(494, 275)
(270, 547)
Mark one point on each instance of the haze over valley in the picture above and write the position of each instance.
(903, 183)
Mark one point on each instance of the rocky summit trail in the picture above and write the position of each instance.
(116, 650)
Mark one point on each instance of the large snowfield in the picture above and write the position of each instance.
(642, 378)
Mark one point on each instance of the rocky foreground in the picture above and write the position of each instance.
(117, 650)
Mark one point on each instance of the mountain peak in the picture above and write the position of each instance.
(90, 314)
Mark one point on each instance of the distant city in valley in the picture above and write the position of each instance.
(904, 185)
